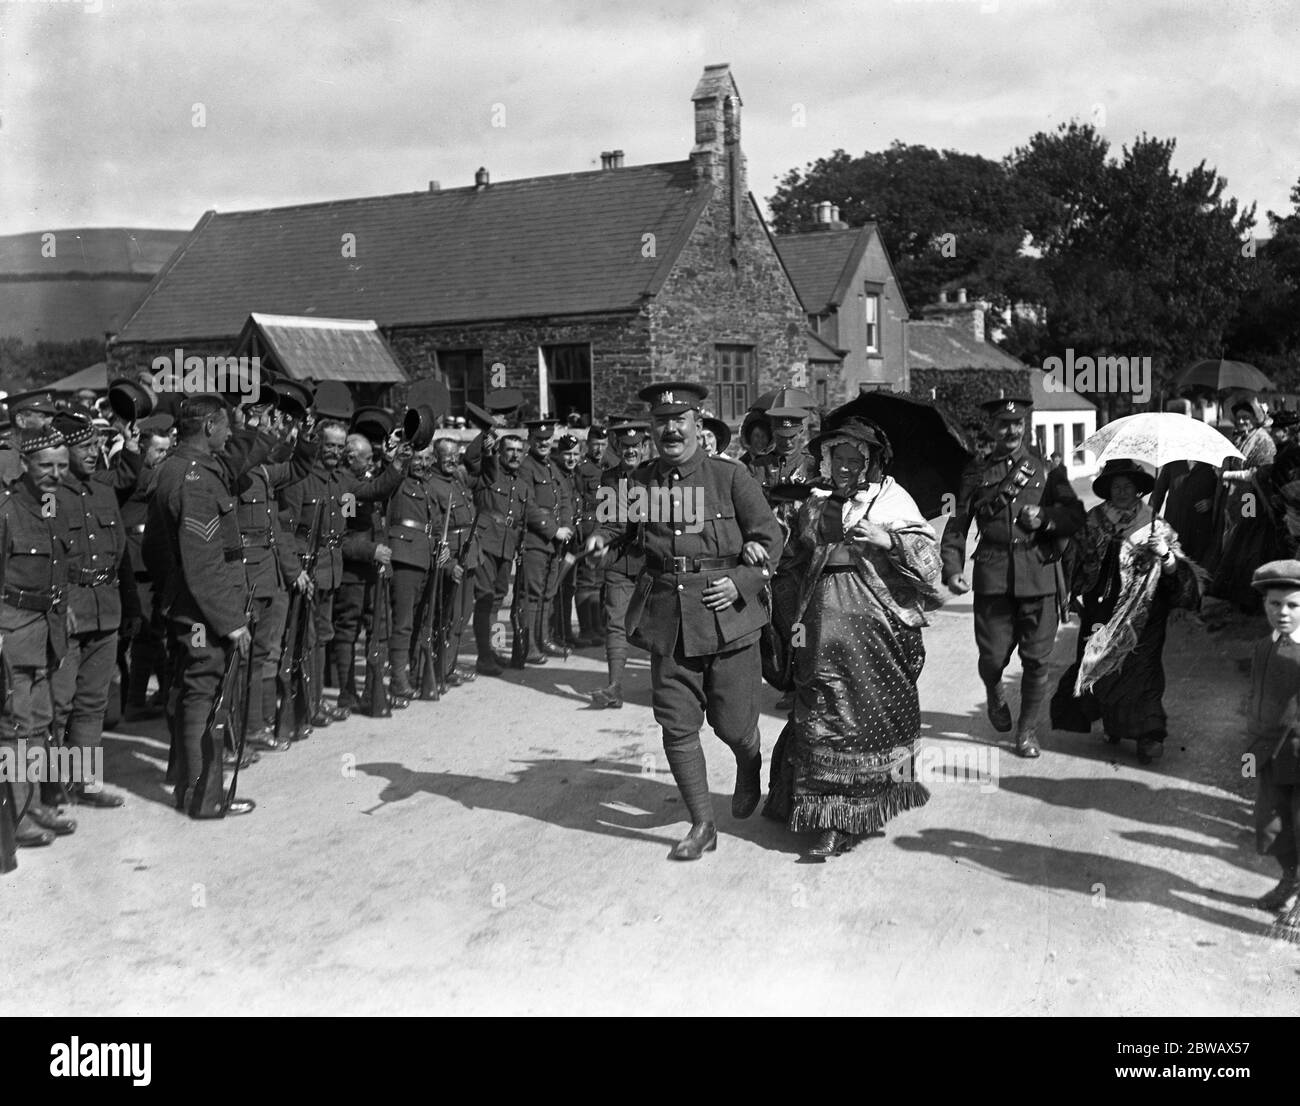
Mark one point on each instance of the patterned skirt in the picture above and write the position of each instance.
(844, 760)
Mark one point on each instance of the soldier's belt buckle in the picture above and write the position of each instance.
(677, 564)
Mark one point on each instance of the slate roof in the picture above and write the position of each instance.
(352, 350)
(558, 245)
(822, 263)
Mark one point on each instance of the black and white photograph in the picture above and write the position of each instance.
(651, 510)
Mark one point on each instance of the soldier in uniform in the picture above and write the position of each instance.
(147, 653)
(549, 526)
(271, 564)
(33, 628)
(589, 574)
(621, 572)
(447, 482)
(501, 498)
(27, 411)
(329, 493)
(567, 454)
(414, 528)
(90, 526)
(194, 518)
(1022, 507)
(697, 603)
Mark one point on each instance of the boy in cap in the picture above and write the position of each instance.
(1021, 506)
(1273, 731)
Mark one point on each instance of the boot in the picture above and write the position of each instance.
(399, 686)
(749, 778)
(702, 839)
(490, 663)
(999, 712)
(608, 698)
(530, 648)
(1033, 690)
(686, 760)
(546, 634)
(345, 663)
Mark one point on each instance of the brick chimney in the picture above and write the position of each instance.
(966, 314)
(716, 154)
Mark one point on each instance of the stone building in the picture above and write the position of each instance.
(578, 288)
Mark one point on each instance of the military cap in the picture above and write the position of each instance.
(1122, 466)
(41, 400)
(334, 401)
(160, 423)
(597, 433)
(33, 441)
(75, 426)
(1276, 574)
(674, 396)
(786, 421)
(504, 399)
(1007, 409)
(375, 423)
(720, 429)
(1285, 419)
(565, 442)
(293, 397)
(541, 428)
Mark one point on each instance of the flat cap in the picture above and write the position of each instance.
(1010, 408)
(674, 396)
(786, 421)
(1277, 574)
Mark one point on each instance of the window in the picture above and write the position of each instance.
(568, 382)
(1040, 439)
(872, 308)
(736, 380)
(1058, 439)
(462, 372)
(819, 388)
(1080, 432)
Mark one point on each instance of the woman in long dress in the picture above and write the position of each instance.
(1130, 575)
(851, 592)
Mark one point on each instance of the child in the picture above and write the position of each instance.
(1275, 735)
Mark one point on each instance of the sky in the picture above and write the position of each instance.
(146, 114)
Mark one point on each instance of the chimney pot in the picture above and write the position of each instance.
(617, 157)
(481, 179)
(943, 297)
(606, 159)
(435, 186)
(961, 295)
(824, 211)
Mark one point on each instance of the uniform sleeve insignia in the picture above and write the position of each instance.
(193, 475)
(205, 530)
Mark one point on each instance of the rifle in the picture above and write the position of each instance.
(518, 646)
(431, 685)
(374, 696)
(250, 613)
(294, 677)
(216, 718)
(452, 605)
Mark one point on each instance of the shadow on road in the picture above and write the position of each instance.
(598, 796)
(1094, 877)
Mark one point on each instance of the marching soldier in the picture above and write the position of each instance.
(567, 454)
(549, 526)
(33, 627)
(621, 572)
(1022, 507)
(333, 493)
(501, 499)
(90, 525)
(447, 482)
(194, 519)
(696, 606)
(590, 575)
(414, 528)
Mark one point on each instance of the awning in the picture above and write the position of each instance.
(96, 376)
(351, 350)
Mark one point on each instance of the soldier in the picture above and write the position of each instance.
(330, 493)
(364, 552)
(590, 574)
(620, 572)
(456, 505)
(697, 605)
(194, 518)
(501, 498)
(147, 651)
(33, 634)
(27, 411)
(567, 454)
(90, 525)
(271, 565)
(414, 528)
(1022, 507)
(549, 526)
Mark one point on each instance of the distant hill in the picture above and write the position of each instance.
(96, 278)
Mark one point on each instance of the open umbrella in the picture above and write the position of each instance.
(929, 454)
(784, 397)
(1158, 437)
(1221, 375)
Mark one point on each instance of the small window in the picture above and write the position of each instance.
(1058, 438)
(1080, 432)
(462, 372)
(568, 378)
(736, 381)
(872, 309)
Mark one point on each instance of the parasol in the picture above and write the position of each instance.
(784, 397)
(1158, 437)
(929, 454)
(1220, 375)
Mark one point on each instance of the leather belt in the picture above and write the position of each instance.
(666, 565)
(261, 538)
(95, 577)
(230, 555)
(413, 524)
(1012, 544)
(33, 599)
